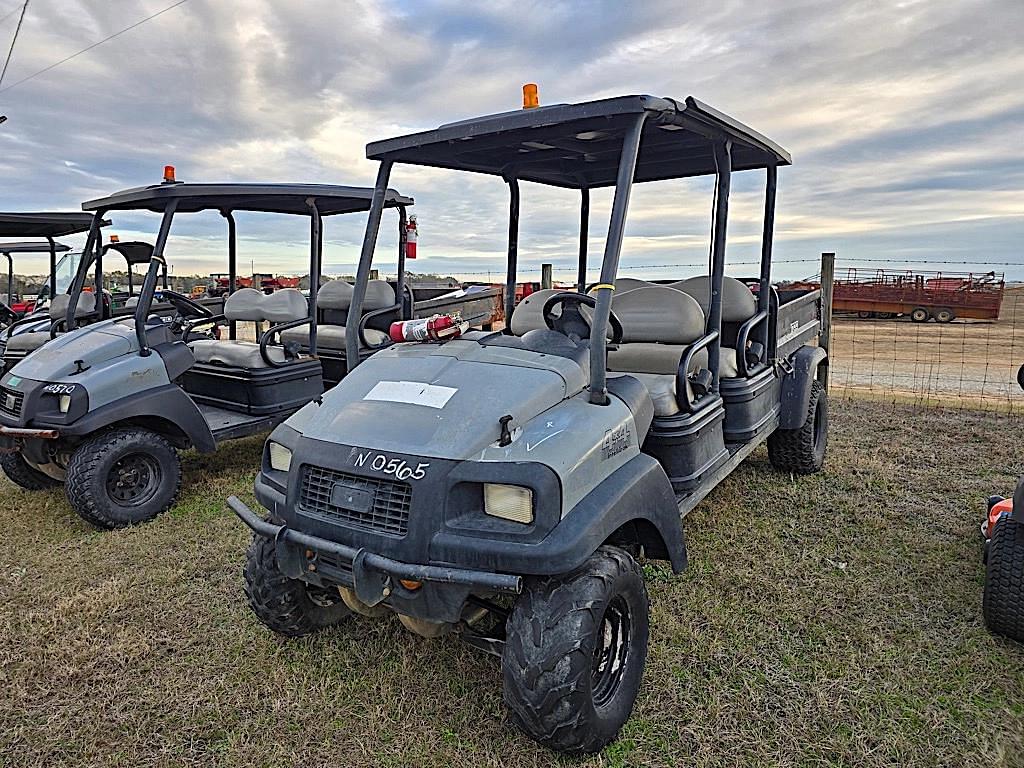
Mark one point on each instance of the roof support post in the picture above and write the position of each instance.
(53, 266)
(610, 263)
(232, 263)
(10, 279)
(380, 191)
(156, 263)
(78, 282)
(513, 251)
(723, 177)
(765, 280)
(403, 240)
(581, 273)
(316, 247)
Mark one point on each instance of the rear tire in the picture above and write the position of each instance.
(945, 316)
(123, 477)
(288, 606)
(575, 651)
(919, 315)
(802, 450)
(1003, 601)
(23, 475)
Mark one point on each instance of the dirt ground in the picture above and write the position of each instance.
(967, 359)
(827, 620)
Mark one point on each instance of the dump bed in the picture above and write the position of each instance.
(799, 319)
(477, 304)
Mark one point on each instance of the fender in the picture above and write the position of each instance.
(637, 492)
(168, 402)
(796, 385)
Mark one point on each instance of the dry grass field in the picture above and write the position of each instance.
(828, 620)
(972, 360)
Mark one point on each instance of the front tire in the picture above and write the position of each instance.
(25, 476)
(1003, 601)
(802, 450)
(123, 477)
(920, 315)
(575, 651)
(288, 606)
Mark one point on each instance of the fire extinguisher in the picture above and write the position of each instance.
(411, 234)
(435, 328)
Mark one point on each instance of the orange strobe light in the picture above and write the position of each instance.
(168, 174)
(531, 99)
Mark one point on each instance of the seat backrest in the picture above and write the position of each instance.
(658, 313)
(334, 294)
(59, 305)
(623, 284)
(132, 301)
(738, 303)
(528, 314)
(379, 295)
(248, 304)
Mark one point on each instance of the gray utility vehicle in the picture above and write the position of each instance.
(105, 408)
(502, 484)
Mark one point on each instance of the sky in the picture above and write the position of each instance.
(904, 120)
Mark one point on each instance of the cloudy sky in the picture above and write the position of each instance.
(904, 120)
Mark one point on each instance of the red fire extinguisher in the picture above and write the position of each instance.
(436, 328)
(411, 234)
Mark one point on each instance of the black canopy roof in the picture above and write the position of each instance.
(44, 224)
(578, 145)
(134, 251)
(267, 198)
(35, 247)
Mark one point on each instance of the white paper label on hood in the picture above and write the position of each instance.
(412, 392)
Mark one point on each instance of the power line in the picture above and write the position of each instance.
(14, 39)
(8, 15)
(94, 45)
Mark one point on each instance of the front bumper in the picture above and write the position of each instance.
(11, 438)
(373, 577)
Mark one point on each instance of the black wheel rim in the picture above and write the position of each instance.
(610, 651)
(133, 479)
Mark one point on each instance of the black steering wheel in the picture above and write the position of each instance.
(186, 307)
(571, 322)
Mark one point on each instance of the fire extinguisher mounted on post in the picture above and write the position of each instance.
(411, 233)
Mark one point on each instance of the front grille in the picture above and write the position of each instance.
(11, 401)
(388, 513)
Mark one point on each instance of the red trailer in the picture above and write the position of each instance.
(939, 296)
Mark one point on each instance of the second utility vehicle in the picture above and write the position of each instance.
(106, 407)
(503, 484)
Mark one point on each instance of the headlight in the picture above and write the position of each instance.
(280, 457)
(64, 403)
(511, 502)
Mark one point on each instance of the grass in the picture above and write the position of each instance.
(830, 620)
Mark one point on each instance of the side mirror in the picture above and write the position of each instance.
(1020, 377)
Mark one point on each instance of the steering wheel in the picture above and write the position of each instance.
(571, 321)
(185, 306)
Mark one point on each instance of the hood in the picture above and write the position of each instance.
(443, 401)
(93, 344)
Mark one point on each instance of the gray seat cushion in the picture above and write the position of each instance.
(248, 304)
(738, 302)
(330, 336)
(237, 354)
(662, 389)
(59, 306)
(27, 342)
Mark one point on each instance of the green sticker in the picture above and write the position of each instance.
(14, 381)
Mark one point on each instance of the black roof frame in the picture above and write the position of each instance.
(170, 197)
(609, 142)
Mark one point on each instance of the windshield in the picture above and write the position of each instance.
(64, 273)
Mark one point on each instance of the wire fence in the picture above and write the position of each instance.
(965, 364)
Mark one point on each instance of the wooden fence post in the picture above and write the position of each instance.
(545, 276)
(828, 272)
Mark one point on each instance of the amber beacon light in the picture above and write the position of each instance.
(531, 100)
